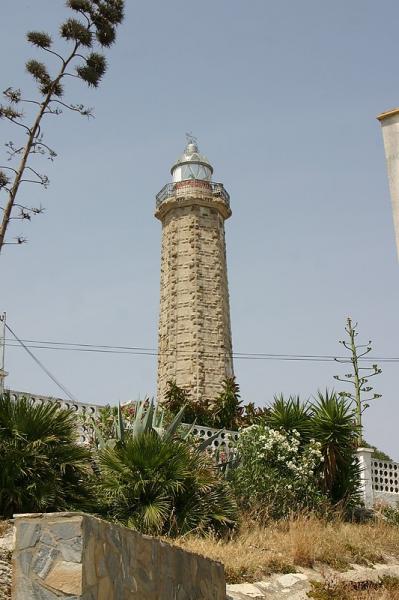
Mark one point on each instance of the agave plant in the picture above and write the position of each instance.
(42, 467)
(148, 417)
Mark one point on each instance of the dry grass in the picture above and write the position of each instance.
(4, 527)
(386, 590)
(258, 551)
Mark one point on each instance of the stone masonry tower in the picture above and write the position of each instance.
(194, 344)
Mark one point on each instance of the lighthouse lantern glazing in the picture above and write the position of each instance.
(192, 165)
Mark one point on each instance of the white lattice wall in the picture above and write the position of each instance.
(224, 441)
(385, 477)
(379, 479)
(80, 408)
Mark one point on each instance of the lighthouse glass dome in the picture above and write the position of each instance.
(192, 165)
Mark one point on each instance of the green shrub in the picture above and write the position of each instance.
(389, 514)
(277, 474)
(42, 468)
(290, 415)
(226, 411)
(164, 485)
(330, 421)
(333, 425)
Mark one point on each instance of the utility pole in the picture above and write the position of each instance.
(3, 373)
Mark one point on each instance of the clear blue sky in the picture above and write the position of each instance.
(283, 97)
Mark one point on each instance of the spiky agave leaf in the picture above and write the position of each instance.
(41, 39)
(148, 418)
(138, 419)
(120, 429)
(173, 427)
(189, 430)
(158, 418)
(204, 444)
(74, 30)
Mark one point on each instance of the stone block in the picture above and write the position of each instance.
(27, 535)
(105, 562)
(65, 577)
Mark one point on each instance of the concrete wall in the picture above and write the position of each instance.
(379, 480)
(73, 556)
(80, 408)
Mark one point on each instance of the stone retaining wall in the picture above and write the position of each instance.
(73, 556)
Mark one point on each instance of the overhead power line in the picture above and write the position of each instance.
(144, 351)
(41, 365)
(27, 345)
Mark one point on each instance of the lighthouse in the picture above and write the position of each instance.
(194, 335)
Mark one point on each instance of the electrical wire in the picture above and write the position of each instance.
(41, 365)
(143, 351)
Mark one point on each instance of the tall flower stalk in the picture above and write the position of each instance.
(96, 26)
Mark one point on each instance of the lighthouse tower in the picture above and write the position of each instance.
(194, 344)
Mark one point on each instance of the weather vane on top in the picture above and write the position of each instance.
(191, 139)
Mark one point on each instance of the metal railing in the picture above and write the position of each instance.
(190, 188)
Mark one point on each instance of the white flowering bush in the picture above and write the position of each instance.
(278, 473)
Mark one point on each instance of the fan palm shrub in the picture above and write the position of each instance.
(163, 485)
(42, 468)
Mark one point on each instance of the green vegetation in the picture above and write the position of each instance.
(162, 485)
(377, 453)
(278, 474)
(330, 421)
(146, 470)
(226, 411)
(157, 479)
(42, 468)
